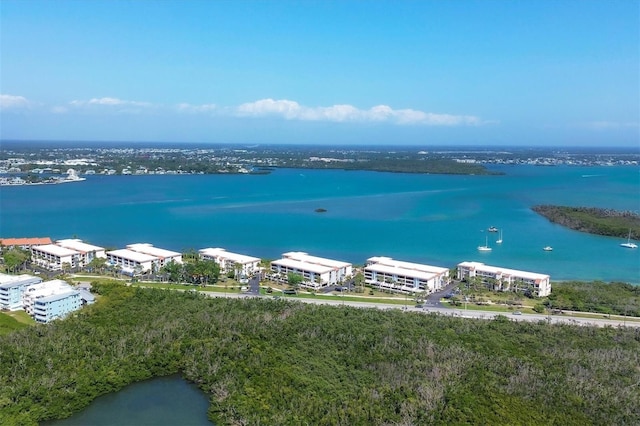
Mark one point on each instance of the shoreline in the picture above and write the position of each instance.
(3, 183)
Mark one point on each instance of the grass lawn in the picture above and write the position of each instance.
(490, 308)
(21, 316)
(11, 321)
(92, 278)
(217, 288)
(338, 296)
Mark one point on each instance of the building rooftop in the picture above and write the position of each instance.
(78, 245)
(132, 255)
(406, 265)
(153, 251)
(235, 257)
(57, 296)
(49, 288)
(87, 296)
(8, 281)
(304, 257)
(55, 250)
(395, 270)
(303, 266)
(24, 241)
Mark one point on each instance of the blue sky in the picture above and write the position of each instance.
(528, 72)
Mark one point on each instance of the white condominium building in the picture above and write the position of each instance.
(86, 252)
(317, 272)
(228, 261)
(130, 261)
(12, 288)
(44, 301)
(56, 306)
(163, 256)
(53, 257)
(405, 277)
(73, 252)
(50, 300)
(506, 279)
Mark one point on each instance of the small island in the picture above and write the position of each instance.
(598, 221)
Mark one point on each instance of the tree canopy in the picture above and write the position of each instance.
(281, 362)
(15, 257)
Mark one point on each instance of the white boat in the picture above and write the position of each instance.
(548, 248)
(485, 247)
(499, 240)
(629, 244)
(493, 229)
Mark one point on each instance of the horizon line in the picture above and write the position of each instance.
(319, 144)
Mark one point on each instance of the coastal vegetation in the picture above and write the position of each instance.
(400, 165)
(15, 258)
(278, 362)
(192, 270)
(615, 298)
(597, 296)
(593, 220)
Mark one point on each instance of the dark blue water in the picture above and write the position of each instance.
(163, 401)
(436, 219)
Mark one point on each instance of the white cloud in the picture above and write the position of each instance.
(292, 110)
(14, 102)
(281, 108)
(185, 107)
(110, 102)
(287, 109)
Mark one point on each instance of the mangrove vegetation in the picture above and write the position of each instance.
(280, 362)
(593, 220)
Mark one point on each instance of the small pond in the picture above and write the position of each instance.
(163, 401)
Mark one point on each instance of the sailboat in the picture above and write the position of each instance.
(499, 240)
(485, 247)
(629, 244)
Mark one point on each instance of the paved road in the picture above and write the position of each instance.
(434, 298)
(254, 286)
(461, 313)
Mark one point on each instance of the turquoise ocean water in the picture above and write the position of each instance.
(435, 219)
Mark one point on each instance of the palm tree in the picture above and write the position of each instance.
(317, 280)
(97, 263)
(379, 280)
(237, 269)
(359, 280)
(66, 267)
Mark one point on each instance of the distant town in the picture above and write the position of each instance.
(24, 163)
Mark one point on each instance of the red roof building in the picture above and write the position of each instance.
(24, 242)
